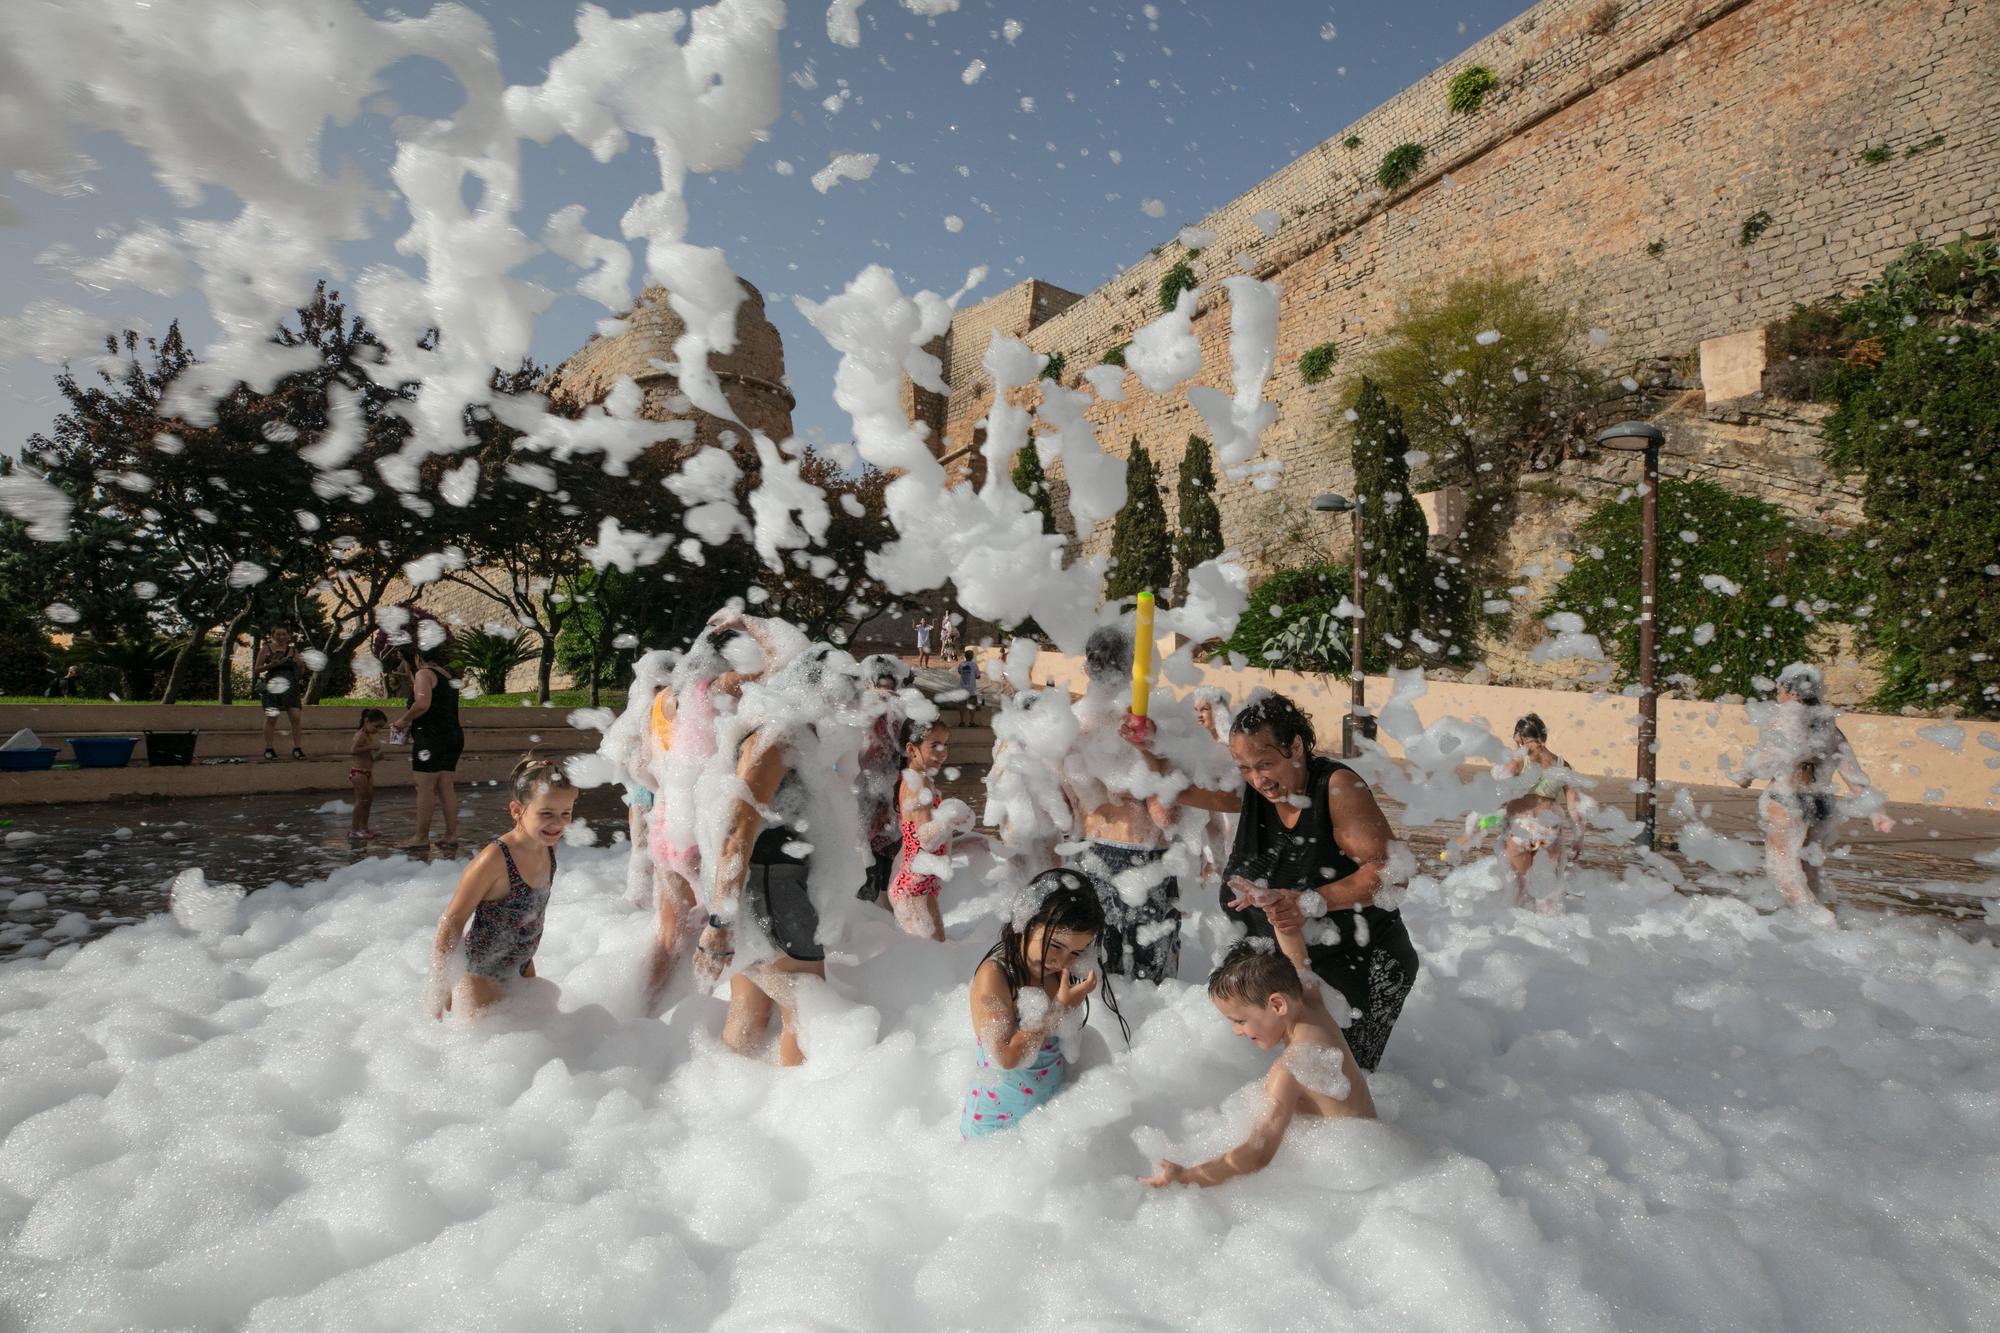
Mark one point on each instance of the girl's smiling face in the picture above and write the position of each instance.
(928, 754)
(547, 814)
(1052, 953)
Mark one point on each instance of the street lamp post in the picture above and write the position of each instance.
(1357, 700)
(1645, 438)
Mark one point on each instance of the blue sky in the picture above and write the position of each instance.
(1046, 159)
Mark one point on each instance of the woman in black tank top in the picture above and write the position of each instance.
(1309, 824)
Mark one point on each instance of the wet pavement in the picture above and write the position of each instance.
(70, 873)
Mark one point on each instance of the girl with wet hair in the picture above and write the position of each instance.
(1312, 843)
(1800, 748)
(503, 896)
(1025, 1001)
(1272, 998)
(1544, 823)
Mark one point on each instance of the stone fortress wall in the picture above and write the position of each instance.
(1618, 158)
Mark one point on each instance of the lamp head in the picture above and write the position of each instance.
(1331, 503)
(1632, 436)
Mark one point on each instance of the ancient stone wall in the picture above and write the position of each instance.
(1619, 161)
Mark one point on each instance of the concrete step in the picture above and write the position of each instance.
(63, 786)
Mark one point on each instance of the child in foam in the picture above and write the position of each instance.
(1025, 1004)
(1272, 997)
(499, 897)
(1544, 823)
(928, 825)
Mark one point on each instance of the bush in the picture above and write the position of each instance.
(488, 655)
(1296, 601)
(1198, 536)
(1604, 18)
(1116, 356)
(1399, 164)
(1180, 278)
(1749, 595)
(1754, 226)
(1469, 88)
(1317, 363)
(1052, 369)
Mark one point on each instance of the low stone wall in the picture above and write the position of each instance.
(1597, 733)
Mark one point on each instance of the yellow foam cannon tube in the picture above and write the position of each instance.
(1142, 656)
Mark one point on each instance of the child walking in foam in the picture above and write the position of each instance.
(1274, 999)
(1025, 1004)
(1544, 823)
(504, 896)
(361, 757)
(929, 825)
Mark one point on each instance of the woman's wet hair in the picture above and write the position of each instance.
(1283, 719)
(1107, 654)
(1531, 728)
(1252, 972)
(1804, 682)
(534, 776)
(1067, 900)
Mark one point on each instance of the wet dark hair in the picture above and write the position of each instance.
(1069, 902)
(914, 732)
(533, 776)
(373, 715)
(1532, 728)
(1278, 715)
(1107, 654)
(1804, 683)
(1253, 971)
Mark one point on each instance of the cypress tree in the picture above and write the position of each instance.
(1199, 537)
(1142, 550)
(1401, 593)
(1029, 481)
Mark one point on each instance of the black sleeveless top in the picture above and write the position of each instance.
(442, 716)
(1307, 856)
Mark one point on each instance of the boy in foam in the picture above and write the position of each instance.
(504, 896)
(1273, 998)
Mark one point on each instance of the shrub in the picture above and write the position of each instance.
(1142, 550)
(489, 654)
(1399, 164)
(1468, 89)
(1317, 363)
(1754, 226)
(1604, 18)
(1352, 141)
(1052, 369)
(1269, 634)
(1198, 535)
(1749, 595)
(1116, 356)
(1180, 278)
(1877, 152)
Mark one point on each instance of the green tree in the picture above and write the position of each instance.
(1199, 536)
(1289, 622)
(1411, 603)
(1750, 593)
(1029, 481)
(1142, 550)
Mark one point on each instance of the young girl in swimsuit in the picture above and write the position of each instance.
(1546, 820)
(504, 895)
(361, 757)
(1273, 998)
(928, 827)
(1026, 1005)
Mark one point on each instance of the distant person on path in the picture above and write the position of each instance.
(924, 641)
(883, 678)
(279, 670)
(947, 634)
(968, 681)
(430, 723)
(69, 684)
(1799, 750)
(361, 757)
(504, 896)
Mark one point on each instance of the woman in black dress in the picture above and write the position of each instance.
(280, 673)
(1310, 849)
(437, 738)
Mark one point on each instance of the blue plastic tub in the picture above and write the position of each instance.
(28, 761)
(103, 751)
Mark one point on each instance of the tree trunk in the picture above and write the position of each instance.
(225, 679)
(545, 666)
(177, 679)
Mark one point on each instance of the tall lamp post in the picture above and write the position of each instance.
(1643, 437)
(1357, 700)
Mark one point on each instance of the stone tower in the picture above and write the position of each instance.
(752, 376)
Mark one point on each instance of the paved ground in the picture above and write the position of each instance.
(89, 868)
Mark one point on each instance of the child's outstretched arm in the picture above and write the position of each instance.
(1281, 1100)
(997, 1023)
(483, 879)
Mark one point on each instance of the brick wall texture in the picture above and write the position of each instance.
(1668, 130)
